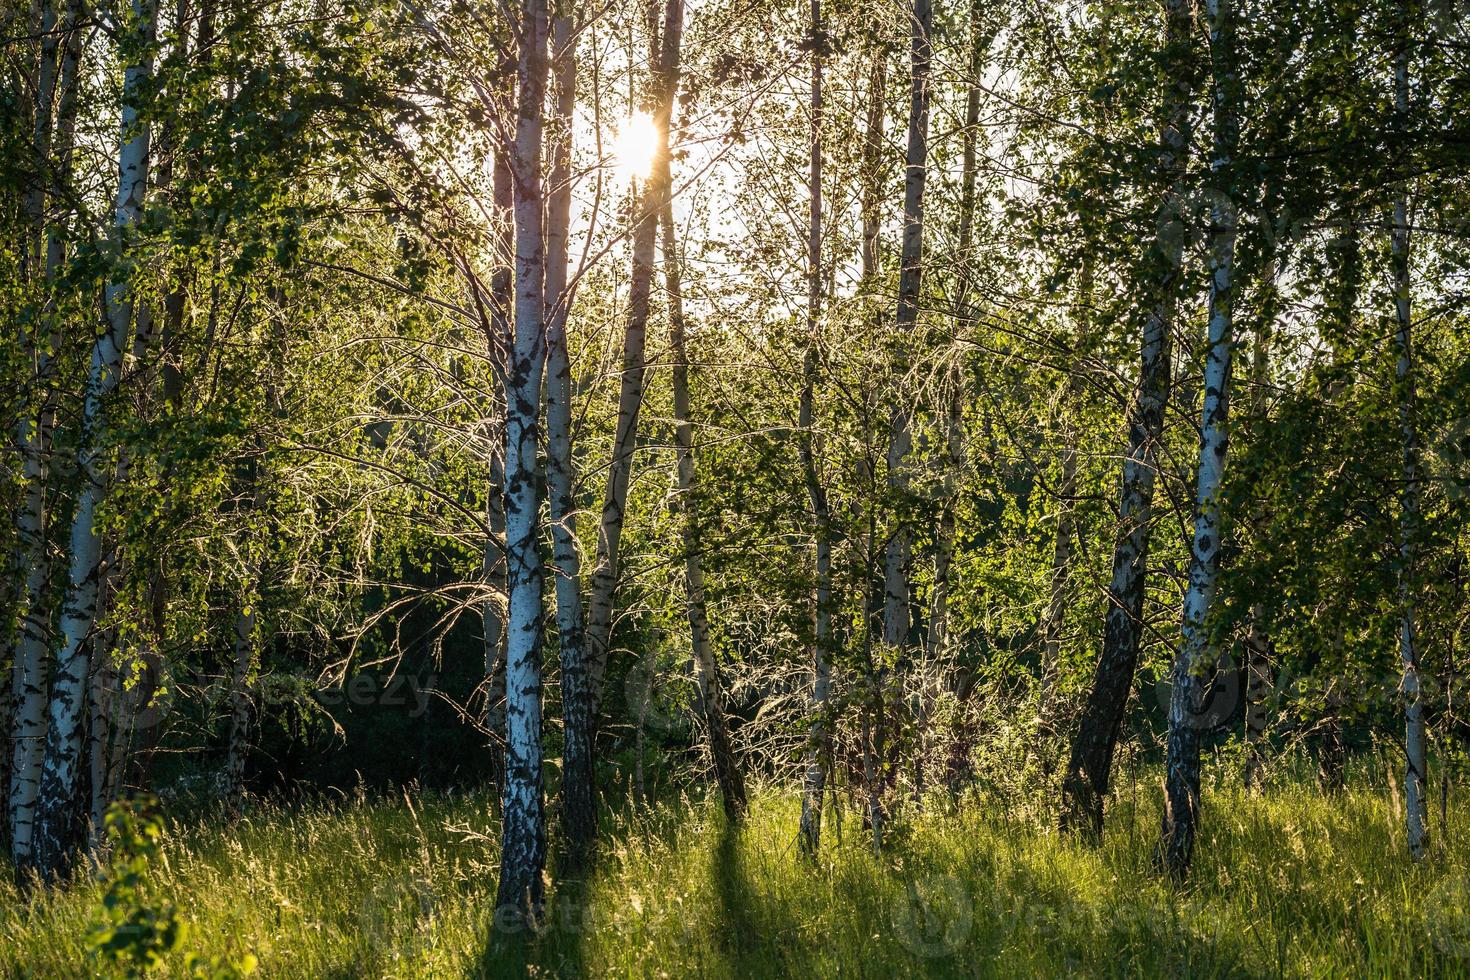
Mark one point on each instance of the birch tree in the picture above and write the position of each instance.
(651, 196)
(710, 687)
(1416, 823)
(521, 889)
(1085, 784)
(1189, 689)
(896, 613)
(255, 494)
(578, 810)
(819, 746)
(954, 403)
(871, 201)
(56, 834)
(53, 148)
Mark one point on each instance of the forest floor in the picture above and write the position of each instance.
(1290, 884)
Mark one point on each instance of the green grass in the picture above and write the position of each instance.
(1293, 883)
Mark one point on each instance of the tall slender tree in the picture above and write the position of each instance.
(29, 668)
(578, 808)
(1085, 783)
(652, 194)
(954, 402)
(709, 684)
(1191, 665)
(819, 745)
(521, 890)
(896, 612)
(57, 827)
(1415, 756)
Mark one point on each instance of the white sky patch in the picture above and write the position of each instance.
(634, 146)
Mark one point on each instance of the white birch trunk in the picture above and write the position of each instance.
(1415, 755)
(1186, 702)
(954, 408)
(29, 667)
(707, 672)
(246, 659)
(1085, 783)
(56, 825)
(652, 197)
(579, 800)
(819, 743)
(896, 615)
(523, 821)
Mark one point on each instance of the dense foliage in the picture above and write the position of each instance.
(611, 400)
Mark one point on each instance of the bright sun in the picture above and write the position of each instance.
(636, 143)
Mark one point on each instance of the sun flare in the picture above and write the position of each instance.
(635, 146)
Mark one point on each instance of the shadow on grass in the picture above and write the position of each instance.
(740, 939)
(558, 948)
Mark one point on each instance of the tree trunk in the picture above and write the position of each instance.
(653, 193)
(1415, 770)
(56, 826)
(29, 667)
(244, 663)
(1259, 679)
(254, 493)
(871, 210)
(872, 711)
(579, 802)
(43, 121)
(707, 670)
(1085, 786)
(104, 694)
(896, 614)
(1187, 700)
(954, 404)
(523, 819)
(499, 340)
(124, 727)
(819, 739)
(116, 693)
(1056, 606)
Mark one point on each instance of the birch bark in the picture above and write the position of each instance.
(521, 890)
(896, 613)
(652, 195)
(707, 671)
(29, 666)
(255, 493)
(1085, 784)
(819, 743)
(1415, 756)
(57, 829)
(938, 634)
(1186, 701)
(578, 810)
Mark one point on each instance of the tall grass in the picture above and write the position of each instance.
(1289, 884)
